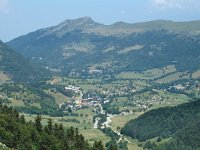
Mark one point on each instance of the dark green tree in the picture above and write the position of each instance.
(98, 145)
(50, 125)
(38, 124)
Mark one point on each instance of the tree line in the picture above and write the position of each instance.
(16, 133)
(180, 124)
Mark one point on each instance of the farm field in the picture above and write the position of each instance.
(121, 120)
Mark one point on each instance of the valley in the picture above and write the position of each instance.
(98, 102)
(103, 79)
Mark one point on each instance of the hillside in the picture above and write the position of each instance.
(180, 123)
(16, 133)
(83, 44)
(16, 67)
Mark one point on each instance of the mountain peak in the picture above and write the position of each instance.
(83, 21)
(69, 25)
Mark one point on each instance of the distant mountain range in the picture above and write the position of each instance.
(83, 44)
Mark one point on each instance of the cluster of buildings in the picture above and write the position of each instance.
(117, 90)
(73, 88)
(89, 100)
(95, 71)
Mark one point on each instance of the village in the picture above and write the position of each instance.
(83, 100)
(101, 95)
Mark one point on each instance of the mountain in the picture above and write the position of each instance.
(15, 66)
(180, 124)
(83, 44)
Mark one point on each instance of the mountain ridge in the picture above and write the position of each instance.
(160, 23)
(74, 45)
(16, 66)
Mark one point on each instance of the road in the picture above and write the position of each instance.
(108, 123)
(96, 123)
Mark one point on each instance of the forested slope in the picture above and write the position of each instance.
(17, 67)
(181, 123)
(16, 133)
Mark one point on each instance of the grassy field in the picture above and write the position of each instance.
(3, 78)
(134, 146)
(173, 77)
(86, 111)
(85, 127)
(134, 75)
(84, 117)
(16, 103)
(120, 121)
(148, 74)
(196, 75)
(59, 97)
(94, 134)
(157, 72)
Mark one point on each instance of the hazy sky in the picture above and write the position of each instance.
(18, 17)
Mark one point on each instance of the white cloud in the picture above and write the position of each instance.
(4, 6)
(176, 4)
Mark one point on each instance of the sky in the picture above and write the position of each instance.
(19, 17)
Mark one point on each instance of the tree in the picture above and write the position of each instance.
(17, 134)
(56, 130)
(112, 147)
(159, 139)
(38, 124)
(61, 131)
(98, 145)
(118, 128)
(50, 125)
(69, 110)
(22, 119)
